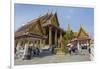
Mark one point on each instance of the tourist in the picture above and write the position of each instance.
(89, 50)
(73, 49)
(29, 53)
(37, 51)
(52, 50)
(33, 50)
(69, 50)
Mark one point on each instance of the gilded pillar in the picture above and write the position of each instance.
(55, 37)
(60, 37)
(50, 36)
(25, 53)
(18, 45)
(37, 43)
(60, 34)
(43, 43)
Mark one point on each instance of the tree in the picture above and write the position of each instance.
(69, 35)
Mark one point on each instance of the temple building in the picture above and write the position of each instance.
(81, 38)
(44, 32)
(41, 32)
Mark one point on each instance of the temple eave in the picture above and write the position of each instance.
(31, 36)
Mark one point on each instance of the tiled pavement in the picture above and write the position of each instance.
(48, 58)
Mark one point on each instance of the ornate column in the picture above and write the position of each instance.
(61, 50)
(40, 43)
(43, 43)
(60, 35)
(25, 50)
(60, 39)
(18, 49)
(18, 45)
(88, 43)
(50, 36)
(33, 43)
(37, 43)
(56, 37)
(78, 45)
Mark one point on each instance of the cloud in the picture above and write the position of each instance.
(70, 13)
(68, 17)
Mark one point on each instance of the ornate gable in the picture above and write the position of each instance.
(36, 28)
(54, 20)
(82, 33)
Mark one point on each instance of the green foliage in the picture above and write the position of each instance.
(69, 35)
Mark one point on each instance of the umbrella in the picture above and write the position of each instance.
(69, 44)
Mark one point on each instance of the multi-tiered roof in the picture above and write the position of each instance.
(35, 27)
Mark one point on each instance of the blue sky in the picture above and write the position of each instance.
(74, 16)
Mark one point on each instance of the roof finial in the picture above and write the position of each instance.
(51, 10)
(69, 27)
(56, 12)
(48, 11)
(81, 25)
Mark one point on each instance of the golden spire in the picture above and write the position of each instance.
(81, 26)
(82, 30)
(68, 28)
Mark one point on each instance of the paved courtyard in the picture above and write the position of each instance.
(48, 58)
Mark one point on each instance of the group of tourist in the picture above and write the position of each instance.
(74, 49)
(32, 51)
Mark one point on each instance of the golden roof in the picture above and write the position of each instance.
(35, 26)
(81, 34)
